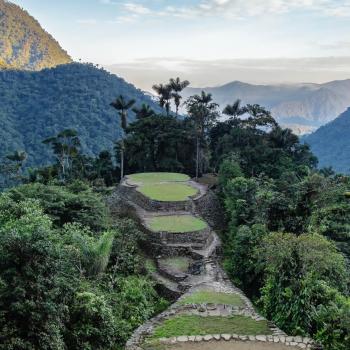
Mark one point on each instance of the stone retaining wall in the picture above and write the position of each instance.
(298, 342)
(194, 237)
(209, 207)
(146, 203)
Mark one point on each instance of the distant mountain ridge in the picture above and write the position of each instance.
(37, 105)
(331, 143)
(24, 44)
(303, 107)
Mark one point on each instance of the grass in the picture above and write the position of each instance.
(198, 325)
(150, 266)
(168, 192)
(178, 263)
(176, 224)
(152, 178)
(207, 297)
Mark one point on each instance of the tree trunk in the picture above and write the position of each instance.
(122, 161)
(197, 157)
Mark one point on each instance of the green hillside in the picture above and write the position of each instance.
(331, 143)
(37, 105)
(24, 44)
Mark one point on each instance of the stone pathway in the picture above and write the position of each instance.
(205, 275)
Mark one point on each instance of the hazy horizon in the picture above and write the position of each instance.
(317, 70)
(209, 42)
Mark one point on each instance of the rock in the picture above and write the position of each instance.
(217, 336)
(192, 338)
(208, 337)
(261, 338)
(182, 339)
(276, 339)
(198, 338)
(226, 336)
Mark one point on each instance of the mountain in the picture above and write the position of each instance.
(331, 143)
(24, 44)
(302, 107)
(37, 105)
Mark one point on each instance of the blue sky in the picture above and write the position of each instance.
(166, 33)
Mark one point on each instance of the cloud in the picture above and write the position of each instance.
(145, 72)
(338, 45)
(137, 9)
(109, 2)
(241, 8)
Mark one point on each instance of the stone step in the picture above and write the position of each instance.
(167, 287)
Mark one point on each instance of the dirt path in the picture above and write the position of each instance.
(215, 345)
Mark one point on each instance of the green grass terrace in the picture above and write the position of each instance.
(199, 325)
(209, 297)
(163, 187)
(154, 178)
(176, 224)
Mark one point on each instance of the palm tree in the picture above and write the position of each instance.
(18, 157)
(94, 254)
(204, 113)
(165, 94)
(145, 111)
(122, 106)
(66, 147)
(235, 110)
(177, 86)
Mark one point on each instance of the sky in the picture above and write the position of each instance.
(209, 42)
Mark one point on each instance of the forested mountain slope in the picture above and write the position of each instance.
(331, 143)
(37, 105)
(24, 44)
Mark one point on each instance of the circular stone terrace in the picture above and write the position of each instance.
(176, 223)
(164, 187)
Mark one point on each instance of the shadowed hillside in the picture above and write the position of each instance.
(37, 105)
(331, 143)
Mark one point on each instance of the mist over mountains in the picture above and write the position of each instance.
(301, 107)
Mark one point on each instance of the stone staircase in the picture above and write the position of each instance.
(203, 275)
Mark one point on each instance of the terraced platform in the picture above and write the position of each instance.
(208, 311)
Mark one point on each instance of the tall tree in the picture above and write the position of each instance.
(164, 92)
(145, 111)
(235, 110)
(177, 86)
(18, 157)
(203, 112)
(122, 106)
(259, 117)
(66, 147)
